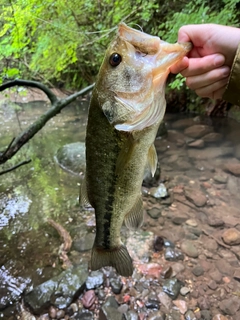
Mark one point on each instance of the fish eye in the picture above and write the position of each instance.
(115, 59)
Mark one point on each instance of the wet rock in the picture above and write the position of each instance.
(173, 254)
(94, 280)
(71, 157)
(233, 168)
(237, 275)
(230, 306)
(172, 287)
(156, 315)
(166, 272)
(231, 236)
(197, 131)
(203, 302)
(220, 178)
(159, 192)
(192, 223)
(210, 244)
(85, 243)
(189, 315)
(59, 291)
(152, 302)
(199, 144)
(168, 243)
(224, 267)
(181, 305)
(88, 299)
(84, 315)
(116, 285)
(177, 268)
(215, 222)
(216, 276)
(189, 249)
(198, 271)
(130, 315)
(154, 213)
(183, 123)
(158, 244)
(212, 137)
(195, 196)
(179, 219)
(109, 310)
(209, 153)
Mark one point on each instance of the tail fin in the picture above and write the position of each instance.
(118, 258)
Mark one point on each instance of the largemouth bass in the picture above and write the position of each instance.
(126, 108)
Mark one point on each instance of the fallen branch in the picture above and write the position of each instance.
(15, 167)
(57, 105)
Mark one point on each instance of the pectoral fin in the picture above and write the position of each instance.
(152, 159)
(83, 197)
(134, 219)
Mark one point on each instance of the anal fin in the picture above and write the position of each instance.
(117, 258)
(134, 219)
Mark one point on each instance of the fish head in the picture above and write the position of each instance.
(131, 82)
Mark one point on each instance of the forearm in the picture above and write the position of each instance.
(232, 92)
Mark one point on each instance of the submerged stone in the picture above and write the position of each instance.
(172, 287)
(58, 291)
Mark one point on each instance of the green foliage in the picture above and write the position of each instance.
(64, 41)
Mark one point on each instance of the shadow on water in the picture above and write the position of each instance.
(41, 190)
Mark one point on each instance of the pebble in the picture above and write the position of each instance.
(195, 196)
(230, 306)
(173, 254)
(231, 236)
(198, 271)
(154, 213)
(159, 192)
(199, 143)
(219, 317)
(165, 300)
(234, 168)
(94, 280)
(220, 178)
(206, 315)
(172, 287)
(215, 222)
(181, 305)
(131, 315)
(212, 285)
(184, 291)
(189, 249)
(116, 285)
(189, 315)
(156, 315)
(192, 223)
(88, 299)
(197, 131)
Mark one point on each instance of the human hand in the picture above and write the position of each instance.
(208, 64)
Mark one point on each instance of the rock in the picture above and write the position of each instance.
(156, 315)
(158, 192)
(206, 315)
(153, 301)
(71, 157)
(84, 315)
(172, 287)
(212, 285)
(220, 178)
(173, 254)
(131, 315)
(179, 219)
(181, 305)
(203, 302)
(231, 236)
(224, 267)
(94, 280)
(197, 131)
(233, 168)
(189, 315)
(116, 285)
(213, 137)
(183, 123)
(189, 249)
(230, 306)
(85, 243)
(210, 244)
(198, 271)
(216, 276)
(184, 291)
(195, 196)
(58, 291)
(165, 300)
(209, 153)
(215, 222)
(199, 144)
(154, 213)
(88, 299)
(109, 310)
(237, 275)
(219, 317)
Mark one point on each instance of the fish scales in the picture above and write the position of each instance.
(126, 108)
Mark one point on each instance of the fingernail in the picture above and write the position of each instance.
(219, 60)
